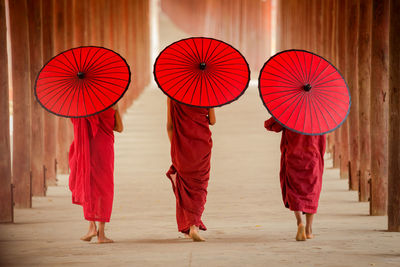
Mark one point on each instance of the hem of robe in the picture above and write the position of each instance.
(89, 218)
(186, 228)
(304, 210)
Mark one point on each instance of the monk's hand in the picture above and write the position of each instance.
(115, 107)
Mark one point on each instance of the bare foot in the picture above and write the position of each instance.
(301, 233)
(88, 236)
(309, 233)
(102, 239)
(195, 235)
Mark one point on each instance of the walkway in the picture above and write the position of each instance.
(248, 225)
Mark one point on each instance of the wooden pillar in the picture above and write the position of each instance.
(6, 203)
(352, 81)
(379, 106)
(63, 141)
(394, 120)
(37, 113)
(78, 23)
(344, 132)
(21, 166)
(364, 83)
(50, 120)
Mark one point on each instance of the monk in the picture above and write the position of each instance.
(91, 159)
(191, 143)
(302, 165)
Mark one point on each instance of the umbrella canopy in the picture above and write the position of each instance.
(304, 92)
(82, 81)
(202, 72)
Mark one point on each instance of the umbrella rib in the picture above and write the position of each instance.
(73, 96)
(87, 55)
(60, 93)
(305, 67)
(217, 58)
(202, 46)
(186, 77)
(101, 78)
(278, 92)
(321, 104)
(195, 76)
(77, 101)
(50, 77)
(281, 97)
(72, 65)
(212, 88)
(183, 63)
(108, 89)
(319, 74)
(298, 114)
(295, 79)
(117, 67)
(124, 87)
(288, 81)
(216, 85)
(215, 48)
(281, 82)
(240, 70)
(76, 62)
(64, 81)
(102, 64)
(327, 99)
(173, 73)
(217, 78)
(280, 104)
(96, 62)
(65, 74)
(322, 78)
(324, 93)
(297, 100)
(92, 57)
(197, 50)
(263, 86)
(91, 89)
(208, 49)
(305, 112)
(83, 96)
(60, 89)
(69, 93)
(221, 77)
(191, 49)
(68, 70)
(301, 67)
(186, 55)
(175, 69)
(187, 51)
(54, 89)
(291, 74)
(309, 71)
(330, 91)
(218, 61)
(315, 71)
(194, 90)
(297, 70)
(98, 89)
(338, 79)
(316, 116)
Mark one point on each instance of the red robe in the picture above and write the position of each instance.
(302, 165)
(91, 159)
(190, 153)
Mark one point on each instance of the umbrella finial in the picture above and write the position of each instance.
(81, 75)
(202, 65)
(307, 87)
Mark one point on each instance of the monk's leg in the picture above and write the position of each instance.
(309, 221)
(91, 232)
(101, 236)
(194, 233)
(301, 232)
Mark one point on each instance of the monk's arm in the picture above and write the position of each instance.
(118, 127)
(170, 126)
(211, 116)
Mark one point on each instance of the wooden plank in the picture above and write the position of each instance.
(6, 204)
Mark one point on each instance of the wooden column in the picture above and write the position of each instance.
(379, 106)
(63, 141)
(394, 119)
(6, 204)
(37, 113)
(78, 23)
(344, 132)
(364, 90)
(50, 120)
(352, 82)
(21, 166)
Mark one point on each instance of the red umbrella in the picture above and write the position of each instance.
(304, 92)
(202, 72)
(82, 81)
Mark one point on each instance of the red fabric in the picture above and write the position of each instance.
(190, 153)
(302, 166)
(91, 159)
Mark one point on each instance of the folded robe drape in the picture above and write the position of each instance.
(91, 159)
(302, 166)
(190, 153)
